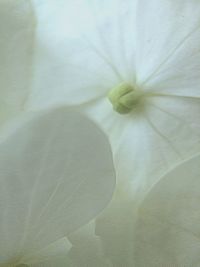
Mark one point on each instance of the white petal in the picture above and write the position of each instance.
(16, 45)
(168, 229)
(56, 174)
(146, 144)
(85, 67)
(166, 31)
(179, 75)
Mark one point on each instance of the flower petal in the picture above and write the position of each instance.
(78, 68)
(179, 76)
(147, 143)
(56, 174)
(167, 40)
(168, 229)
(16, 45)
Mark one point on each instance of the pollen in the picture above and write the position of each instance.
(124, 98)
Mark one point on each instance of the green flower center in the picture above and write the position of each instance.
(124, 98)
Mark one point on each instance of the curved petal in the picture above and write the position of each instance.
(147, 143)
(167, 40)
(78, 68)
(56, 174)
(168, 229)
(16, 45)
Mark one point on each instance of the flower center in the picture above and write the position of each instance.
(124, 98)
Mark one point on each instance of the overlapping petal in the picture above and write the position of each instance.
(56, 174)
(148, 143)
(152, 45)
(165, 229)
(134, 42)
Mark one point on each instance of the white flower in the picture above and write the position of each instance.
(87, 49)
(147, 54)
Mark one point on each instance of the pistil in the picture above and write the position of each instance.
(124, 98)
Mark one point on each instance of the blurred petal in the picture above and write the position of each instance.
(57, 174)
(168, 228)
(16, 45)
